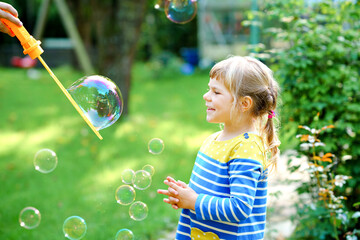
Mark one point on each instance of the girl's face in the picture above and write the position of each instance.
(218, 101)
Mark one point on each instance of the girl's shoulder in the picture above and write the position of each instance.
(250, 146)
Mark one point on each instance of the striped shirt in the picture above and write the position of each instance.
(232, 185)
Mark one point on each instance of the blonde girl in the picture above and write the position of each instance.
(227, 193)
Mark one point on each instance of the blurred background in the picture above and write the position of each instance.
(161, 64)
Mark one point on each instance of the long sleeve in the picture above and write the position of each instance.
(243, 178)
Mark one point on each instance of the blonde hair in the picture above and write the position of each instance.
(247, 76)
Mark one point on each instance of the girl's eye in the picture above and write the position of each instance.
(216, 92)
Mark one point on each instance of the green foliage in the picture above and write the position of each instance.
(316, 51)
(321, 213)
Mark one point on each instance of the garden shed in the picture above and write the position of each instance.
(220, 29)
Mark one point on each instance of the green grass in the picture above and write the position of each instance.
(36, 115)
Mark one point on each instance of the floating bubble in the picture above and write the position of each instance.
(99, 98)
(124, 234)
(142, 180)
(150, 169)
(156, 146)
(125, 194)
(45, 160)
(74, 227)
(180, 11)
(127, 176)
(138, 211)
(29, 218)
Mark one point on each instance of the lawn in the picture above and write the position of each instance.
(36, 115)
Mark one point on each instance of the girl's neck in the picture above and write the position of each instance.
(230, 132)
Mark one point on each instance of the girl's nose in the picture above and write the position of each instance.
(206, 96)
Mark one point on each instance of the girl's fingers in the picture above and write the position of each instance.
(162, 191)
(182, 184)
(174, 206)
(173, 191)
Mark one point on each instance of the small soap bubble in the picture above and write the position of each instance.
(74, 228)
(45, 160)
(29, 218)
(150, 169)
(156, 146)
(180, 11)
(127, 176)
(138, 211)
(99, 98)
(142, 179)
(125, 194)
(124, 234)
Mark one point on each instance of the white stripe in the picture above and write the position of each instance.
(209, 206)
(260, 197)
(232, 212)
(242, 212)
(258, 214)
(224, 210)
(259, 206)
(243, 194)
(242, 176)
(246, 204)
(209, 190)
(251, 224)
(242, 171)
(214, 164)
(183, 233)
(212, 182)
(242, 185)
(201, 208)
(216, 208)
(213, 173)
(246, 163)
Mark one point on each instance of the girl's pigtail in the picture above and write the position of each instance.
(272, 139)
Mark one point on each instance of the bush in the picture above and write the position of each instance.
(318, 66)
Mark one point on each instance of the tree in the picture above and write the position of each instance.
(111, 30)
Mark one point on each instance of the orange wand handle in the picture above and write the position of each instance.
(30, 44)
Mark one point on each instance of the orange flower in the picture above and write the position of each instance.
(304, 138)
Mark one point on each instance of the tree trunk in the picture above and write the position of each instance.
(116, 25)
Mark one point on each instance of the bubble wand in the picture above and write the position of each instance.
(32, 47)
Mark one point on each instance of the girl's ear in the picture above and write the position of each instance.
(246, 103)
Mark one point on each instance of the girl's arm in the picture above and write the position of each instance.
(244, 175)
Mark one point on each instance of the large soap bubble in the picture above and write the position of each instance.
(74, 227)
(99, 98)
(29, 218)
(127, 176)
(180, 11)
(45, 160)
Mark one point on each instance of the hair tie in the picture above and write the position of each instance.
(271, 114)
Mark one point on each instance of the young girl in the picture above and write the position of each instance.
(227, 193)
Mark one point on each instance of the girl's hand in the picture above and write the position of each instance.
(180, 194)
(171, 192)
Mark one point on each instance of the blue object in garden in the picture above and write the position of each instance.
(190, 55)
(187, 69)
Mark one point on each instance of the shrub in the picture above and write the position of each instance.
(318, 66)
